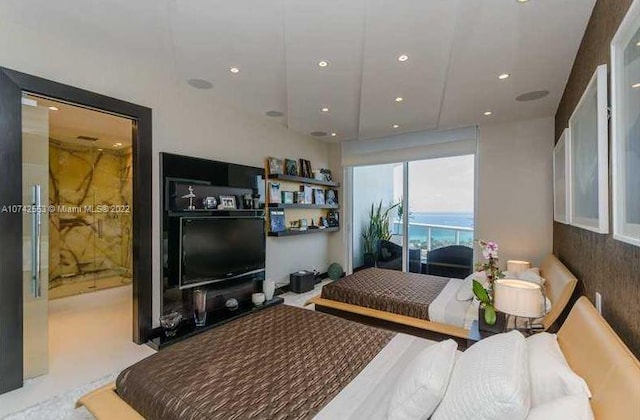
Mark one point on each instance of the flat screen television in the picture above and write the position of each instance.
(215, 249)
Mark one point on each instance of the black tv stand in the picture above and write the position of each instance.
(216, 318)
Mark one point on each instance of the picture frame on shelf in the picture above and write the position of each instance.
(318, 196)
(307, 193)
(227, 202)
(331, 197)
(305, 169)
(625, 128)
(589, 157)
(326, 174)
(561, 185)
(333, 218)
(274, 192)
(287, 197)
(291, 167)
(276, 166)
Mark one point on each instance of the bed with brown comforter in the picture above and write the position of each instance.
(408, 294)
(281, 362)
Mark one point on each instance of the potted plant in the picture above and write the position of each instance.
(377, 230)
(370, 245)
(488, 318)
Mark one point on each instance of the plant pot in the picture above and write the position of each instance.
(498, 327)
(369, 259)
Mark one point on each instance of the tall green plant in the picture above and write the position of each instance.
(378, 228)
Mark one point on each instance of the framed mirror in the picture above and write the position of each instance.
(561, 203)
(625, 127)
(588, 163)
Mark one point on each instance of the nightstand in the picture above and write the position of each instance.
(476, 335)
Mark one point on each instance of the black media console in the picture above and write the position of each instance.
(206, 178)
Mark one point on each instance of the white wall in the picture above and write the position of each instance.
(185, 121)
(515, 188)
(371, 184)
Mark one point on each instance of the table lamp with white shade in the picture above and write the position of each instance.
(519, 298)
(518, 266)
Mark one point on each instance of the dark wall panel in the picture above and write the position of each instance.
(601, 263)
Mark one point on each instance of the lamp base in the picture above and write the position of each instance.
(498, 327)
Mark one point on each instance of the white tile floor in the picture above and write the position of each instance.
(89, 338)
(90, 342)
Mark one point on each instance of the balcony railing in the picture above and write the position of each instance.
(429, 236)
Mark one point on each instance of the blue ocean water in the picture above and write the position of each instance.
(439, 237)
(447, 219)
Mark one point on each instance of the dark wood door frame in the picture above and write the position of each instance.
(12, 85)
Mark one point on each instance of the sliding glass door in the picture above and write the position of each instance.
(423, 212)
(377, 216)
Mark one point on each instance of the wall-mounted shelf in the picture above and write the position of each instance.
(303, 232)
(303, 206)
(303, 180)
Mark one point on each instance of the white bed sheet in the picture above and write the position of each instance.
(367, 396)
(446, 309)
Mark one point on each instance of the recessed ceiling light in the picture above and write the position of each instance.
(488, 113)
(638, 43)
(333, 134)
(403, 57)
(234, 70)
(522, 1)
(504, 76)
(399, 99)
(395, 126)
(53, 108)
(117, 144)
(100, 150)
(200, 83)
(323, 63)
(274, 114)
(325, 109)
(636, 85)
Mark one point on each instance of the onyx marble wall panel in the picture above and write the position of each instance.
(85, 242)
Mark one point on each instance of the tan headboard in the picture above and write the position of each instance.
(597, 354)
(559, 286)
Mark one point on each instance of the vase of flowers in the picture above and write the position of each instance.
(488, 318)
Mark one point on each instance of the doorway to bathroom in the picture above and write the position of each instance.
(88, 193)
(76, 200)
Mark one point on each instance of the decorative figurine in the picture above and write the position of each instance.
(190, 196)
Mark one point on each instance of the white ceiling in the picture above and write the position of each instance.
(456, 50)
(70, 121)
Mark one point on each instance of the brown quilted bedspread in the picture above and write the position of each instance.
(279, 363)
(393, 291)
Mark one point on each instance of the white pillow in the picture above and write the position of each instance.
(571, 407)
(551, 376)
(465, 291)
(489, 381)
(423, 383)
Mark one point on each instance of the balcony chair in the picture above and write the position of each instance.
(454, 261)
(390, 257)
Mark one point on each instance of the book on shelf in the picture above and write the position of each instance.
(276, 220)
(274, 192)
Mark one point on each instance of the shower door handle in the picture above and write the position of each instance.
(36, 244)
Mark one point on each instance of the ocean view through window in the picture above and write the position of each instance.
(440, 203)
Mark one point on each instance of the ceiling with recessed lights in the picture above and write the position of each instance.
(78, 126)
(356, 68)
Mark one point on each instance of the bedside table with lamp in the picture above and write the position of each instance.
(517, 299)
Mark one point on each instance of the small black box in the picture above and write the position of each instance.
(302, 281)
